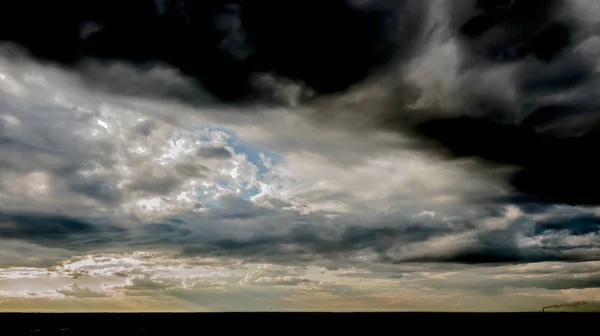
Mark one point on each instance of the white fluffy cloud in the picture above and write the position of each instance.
(105, 153)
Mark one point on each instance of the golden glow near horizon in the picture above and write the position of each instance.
(143, 281)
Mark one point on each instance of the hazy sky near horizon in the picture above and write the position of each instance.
(137, 188)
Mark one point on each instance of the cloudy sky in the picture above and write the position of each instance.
(417, 155)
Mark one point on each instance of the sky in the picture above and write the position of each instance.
(365, 155)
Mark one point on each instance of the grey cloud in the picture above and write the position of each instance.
(278, 281)
(556, 241)
(47, 226)
(540, 116)
(527, 204)
(191, 170)
(47, 140)
(146, 81)
(566, 282)
(78, 291)
(498, 279)
(156, 182)
(214, 152)
(99, 188)
(235, 207)
(544, 269)
(146, 282)
(572, 225)
(516, 91)
(313, 240)
(59, 231)
(28, 254)
(64, 148)
(392, 239)
(278, 276)
(146, 127)
(554, 282)
(240, 229)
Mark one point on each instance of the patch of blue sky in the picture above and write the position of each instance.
(207, 195)
(249, 193)
(253, 154)
(206, 201)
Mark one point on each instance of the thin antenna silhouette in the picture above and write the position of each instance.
(552, 306)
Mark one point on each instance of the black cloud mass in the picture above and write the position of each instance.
(550, 130)
(327, 44)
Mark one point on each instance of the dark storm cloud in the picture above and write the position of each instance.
(244, 230)
(541, 118)
(57, 230)
(329, 45)
(310, 241)
(506, 30)
(549, 131)
(551, 238)
(573, 225)
(266, 235)
(523, 95)
(554, 169)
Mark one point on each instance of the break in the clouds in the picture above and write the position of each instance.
(312, 155)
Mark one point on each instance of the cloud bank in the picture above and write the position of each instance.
(439, 149)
